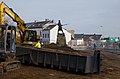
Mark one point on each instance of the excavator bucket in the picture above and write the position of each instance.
(61, 39)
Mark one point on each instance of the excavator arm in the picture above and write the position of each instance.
(26, 36)
(2, 13)
(5, 9)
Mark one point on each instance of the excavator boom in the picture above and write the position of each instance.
(2, 13)
(5, 9)
(26, 36)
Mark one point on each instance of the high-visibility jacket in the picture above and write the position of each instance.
(38, 45)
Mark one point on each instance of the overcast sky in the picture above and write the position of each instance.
(84, 16)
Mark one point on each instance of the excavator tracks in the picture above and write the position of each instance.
(10, 66)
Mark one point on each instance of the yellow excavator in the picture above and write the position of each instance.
(8, 60)
(9, 38)
(24, 36)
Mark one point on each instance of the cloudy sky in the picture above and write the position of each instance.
(84, 16)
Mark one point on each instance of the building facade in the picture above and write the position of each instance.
(50, 34)
(48, 30)
(85, 39)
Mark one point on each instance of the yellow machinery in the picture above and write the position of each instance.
(25, 36)
(8, 60)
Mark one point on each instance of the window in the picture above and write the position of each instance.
(43, 35)
(48, 35)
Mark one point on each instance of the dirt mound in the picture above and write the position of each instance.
(55, 46)
(67, 50)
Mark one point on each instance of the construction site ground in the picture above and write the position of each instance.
(110, 70)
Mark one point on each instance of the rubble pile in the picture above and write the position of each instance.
(66, 50)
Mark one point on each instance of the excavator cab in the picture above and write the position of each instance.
(7, 38)
(30, 37)
(8, 48)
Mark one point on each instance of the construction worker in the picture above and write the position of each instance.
(38, 45)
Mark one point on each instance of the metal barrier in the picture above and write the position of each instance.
(75, 63)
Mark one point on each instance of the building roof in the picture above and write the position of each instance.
(77, 36)
(49, 27)
(38, 24)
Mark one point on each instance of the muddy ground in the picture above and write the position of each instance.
(111, 70)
